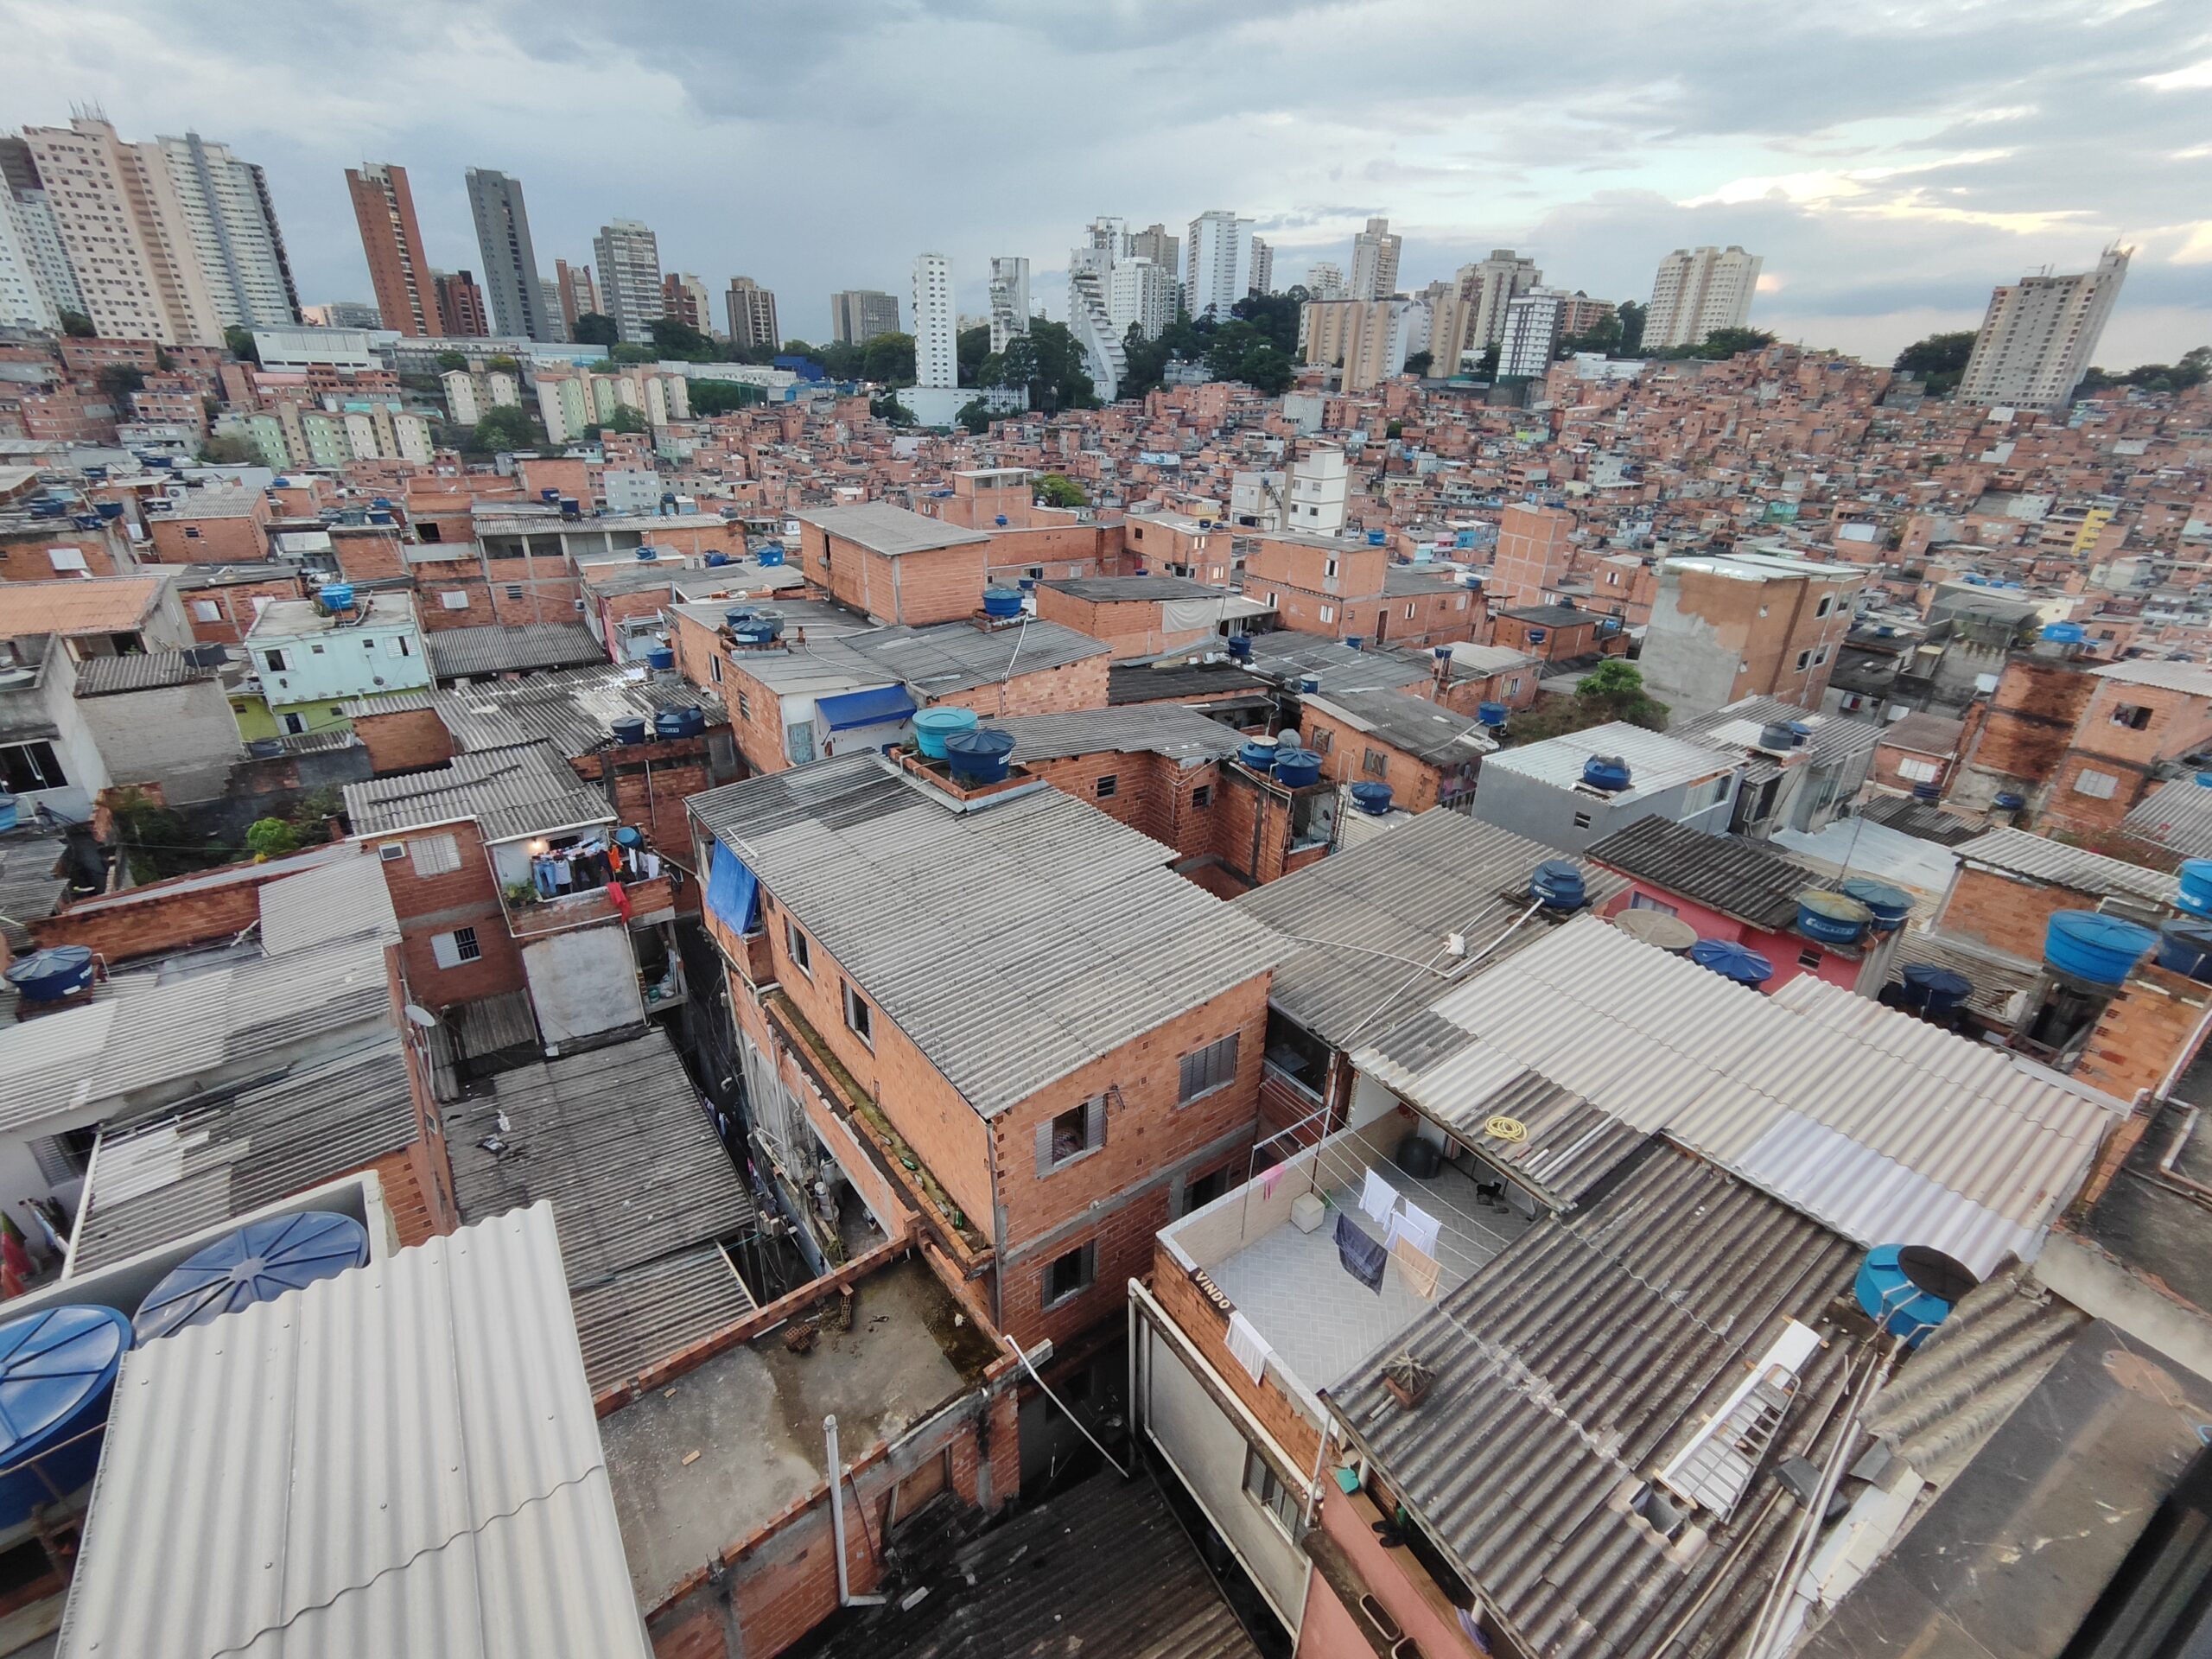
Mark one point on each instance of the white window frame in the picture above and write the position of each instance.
(456, 949)
(1918, 768)
(1271, 1495)
(1050, 1159)
(864, 1026)
(798, 947)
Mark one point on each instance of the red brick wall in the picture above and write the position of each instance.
(2142, 1032)
(242, 540)
(2008, 914)
(1048, 691)
(427, 906)
(1416, 784)
(160, 918)
(369, 555)
(1151, 794)
(2032, 717)
(1205, 1322)
(407, 741)
(234, 603)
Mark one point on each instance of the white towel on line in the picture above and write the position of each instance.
(1378, 1199)
(1247, 1346)
(1416, 1226)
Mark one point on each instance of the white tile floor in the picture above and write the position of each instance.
(1320, 1320)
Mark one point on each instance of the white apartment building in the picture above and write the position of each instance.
(1490, 285)
(1324, 280)
(937, 355)
(232, 225)
(1141, 294)
(1091, 319)
(627, 255)
(1263, 267)
(1533, 325)
(24, 303)
(2039, 333)
(1698, 290)
(1009, 296)
(1221, 263)
(1375, 262)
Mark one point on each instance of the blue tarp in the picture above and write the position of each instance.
(884, 706)
(733, 891)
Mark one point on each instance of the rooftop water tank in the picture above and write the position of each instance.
(382, 501)
(1656, 928)
(1297, 768)
(1354, 640)
(628, 730)
(1471, 579)
(1557, 885)
(1309, 684)
(1240, 647)
(1909, 1289)
(1000, 521)
(1373, 798)
(770, 555)
(1001, 601)
(2185, 947)
(57, 1371)
(8, 809)
(48, 975)
(1889, 906)
(933, 726)
(1933, 990)
(1442, 653)
(679, 723)
(1377, 537)
(110, 509)
(1777, 735)
(2007, 800)
(647, 555)
(337, 596)
(1606, 772)
(1258, 754)
(660, 659)
(1732, 960)
(2102, 950)
(257, 1264)
(2195, 896)
(979, 755)
(380, 518)
(571, 508)
(629, 836)
(1832, 918)
(716, 560)
(1492, 714)
(2065, 633)
(1028, 584)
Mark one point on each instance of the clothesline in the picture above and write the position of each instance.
(1348, 1174)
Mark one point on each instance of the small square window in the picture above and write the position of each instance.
(1582, 820)
(801, 954)
(1320, 739)
(514, 590)
(1202, 795)
(295, 724)
(1069, 1275)
(1804, 661)
(1810, 961)
(1375, 763)
(858, 1016)
(1207, 1069)
(2135, 717)
(1328, 612)
(1106, 786)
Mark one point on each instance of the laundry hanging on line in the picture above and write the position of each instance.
(1377, 1198)
(1247, 1346)
(1364, 1257)
(1416, 1267)
(1415, 1224)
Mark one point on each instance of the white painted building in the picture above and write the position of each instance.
(1374, 261)
(1532, 321)
(2037, 337)
(1221, 263)
(627, 255)
(23, 300)
(937, 356)
(1010, 312)
(1698, 291)
(1324, 280)
(1141, 294)
(1090, 320)
(232, 226)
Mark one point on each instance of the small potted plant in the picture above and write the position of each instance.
(521, 895)
(1408, 1380)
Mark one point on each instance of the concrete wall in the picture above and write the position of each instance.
(181, 737)
(583, 982)
(1557, 816)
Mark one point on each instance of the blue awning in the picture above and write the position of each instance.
(885, 706)
(733, 891)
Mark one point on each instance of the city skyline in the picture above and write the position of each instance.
(1969, 152)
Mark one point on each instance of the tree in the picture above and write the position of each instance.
(625, 419)
(677, 341)
(888, 408)
(1631, 317)
(1939, 360)
(504, 428)
(240, 343)
(1720, 344)
(596, 328)
(1395, 430)
(1048, 362)
(119, 380)
(1058, 490)
(1420, 363)
(500, 363)
(972, 346)
(721, 396)
(267, 838)
(77, 326)
(1605, 339)
(1275, 316)
(224, 449)
(888, 359)
(451, 360)
(2194, 368)
(623, 351)
(1487, 366)
(1615, 690)
(975, 415)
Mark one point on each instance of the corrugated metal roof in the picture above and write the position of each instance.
(507, 793)
(616, 1138)
(1880, 1125)
(1924, 733)
(397, 703)
(1736, 727)
(402, 1457)
(1283, 658)
(956, 657)
(1036, 934)
(1136, 683)
(1657, 760)
(1750, 881)
(34, 879)
(1922, 819)
(2004, 985)
(1426, 730)
(882, 528)
(1568, 1369)
(145, 671)
(2176, 816)
(1167, 728)
(2195, 678)
(333, 900)
(1106, 590)
(1360, 915)
(90, 605)
(458, 651)
(2018, 853)
(572, 711)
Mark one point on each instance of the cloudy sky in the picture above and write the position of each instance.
(1890, 160)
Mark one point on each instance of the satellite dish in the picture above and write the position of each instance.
(422, 1016)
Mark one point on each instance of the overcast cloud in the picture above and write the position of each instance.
(1891, 160)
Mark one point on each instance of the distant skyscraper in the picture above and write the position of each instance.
(35, 225)
(1532, 333)
(937, 356)
(232, 225)
(548, 307)
(579, 292)
(462, 314)
(1009, 300)
(684, 297)
(1579, 313)
(1375, 262)
(24, 303)
(1221, 263)
(1155, 244)
(341, 314)
(1698, 291)
(511, 277)
(752, 314)
(628, 258)
(1090, 313)
(1263, 267)
(1370, 339)
(2039, 333)
(384, 206)
(1324, 280)
(859, 315)
(1141, 294)
(1494, 281)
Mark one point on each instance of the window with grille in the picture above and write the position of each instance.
(1207, 1069)
(27, 766)
(451, 949)
(1919, 771)
(1110, 784)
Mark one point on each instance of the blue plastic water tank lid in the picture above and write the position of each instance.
(2101, 932)
(1938, 981)
(257, 1264)
(980, 742)
(1732, 960)
(51, 1363)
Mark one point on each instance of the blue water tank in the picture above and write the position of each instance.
(2065, 633)
(1309, 684)
(380, 518)
(1492, 714)
(1930, 990)
(9, 808)
(1001, 601)
(1832, 918)
(1240, 647)
(1028, 584)
(1377, 537)
(1000, 521)
(1556, 883)
(2185, 947)
(110, 510)
(979, 755)
(1909, 1289)
(1260, 757)
(57, 1372)
(48, 975)
(257, 1264)
(1371, 798)
(1297, 768)
(383, 502)
(660, 659)
(628, 835)
(628, 730)
(337, 596)
(647, 555)
(678, 722)
(1732, 960)
(571, 508)
(2007, 800)
(716, 560)
(1930, 791)
(1606, 772)
(770, 555)
(1442, 653)
(2195, 896)
(1354, 640)
(1889, 906)
(933, 726)
(2102, 950)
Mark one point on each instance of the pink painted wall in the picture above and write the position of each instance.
(1782, 950)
